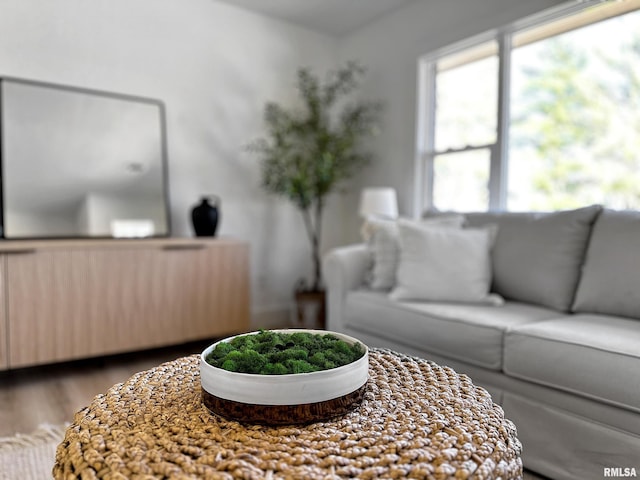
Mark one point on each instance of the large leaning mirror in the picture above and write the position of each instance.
(81, 163)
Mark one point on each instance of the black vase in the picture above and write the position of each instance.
(205, 216)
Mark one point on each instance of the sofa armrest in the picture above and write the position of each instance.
(344, 270)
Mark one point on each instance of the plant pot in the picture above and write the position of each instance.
(288, 399)
(311, 308)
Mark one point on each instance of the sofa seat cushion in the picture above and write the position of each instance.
(595, 356)
(471, 333)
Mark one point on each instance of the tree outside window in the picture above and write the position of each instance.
(572, 107)
(575, 120)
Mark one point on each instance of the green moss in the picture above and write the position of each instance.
(299, 366)
(222, 351)
(276, 353)
(274, 369)
(229, 365)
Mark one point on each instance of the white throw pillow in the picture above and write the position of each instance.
(383, 243)
(445, 265)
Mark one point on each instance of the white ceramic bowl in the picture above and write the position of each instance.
(329, 391)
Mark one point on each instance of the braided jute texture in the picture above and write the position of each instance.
(417, 420)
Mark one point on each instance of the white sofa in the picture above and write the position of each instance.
(561, 355)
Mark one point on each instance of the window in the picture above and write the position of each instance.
(465, 127)
(543, 116)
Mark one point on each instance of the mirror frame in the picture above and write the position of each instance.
(99, 93)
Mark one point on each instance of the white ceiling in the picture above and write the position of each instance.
(333, 17)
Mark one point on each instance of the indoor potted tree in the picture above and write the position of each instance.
(307, 153)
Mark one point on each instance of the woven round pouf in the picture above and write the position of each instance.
(417, 420)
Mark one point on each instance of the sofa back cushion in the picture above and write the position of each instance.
(537, 256)
(443, 264)
(610, 282)
(383, 244)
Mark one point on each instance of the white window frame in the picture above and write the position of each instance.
(425, 118)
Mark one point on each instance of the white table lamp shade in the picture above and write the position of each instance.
(378, 202)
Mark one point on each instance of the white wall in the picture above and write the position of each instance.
(390, 48)
(214, 66)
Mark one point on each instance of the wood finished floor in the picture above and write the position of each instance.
(54, 393)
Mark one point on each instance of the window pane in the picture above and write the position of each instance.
(461, 180)
(575, 118)
(466, 98)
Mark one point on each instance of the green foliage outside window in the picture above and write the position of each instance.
(576, 120)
